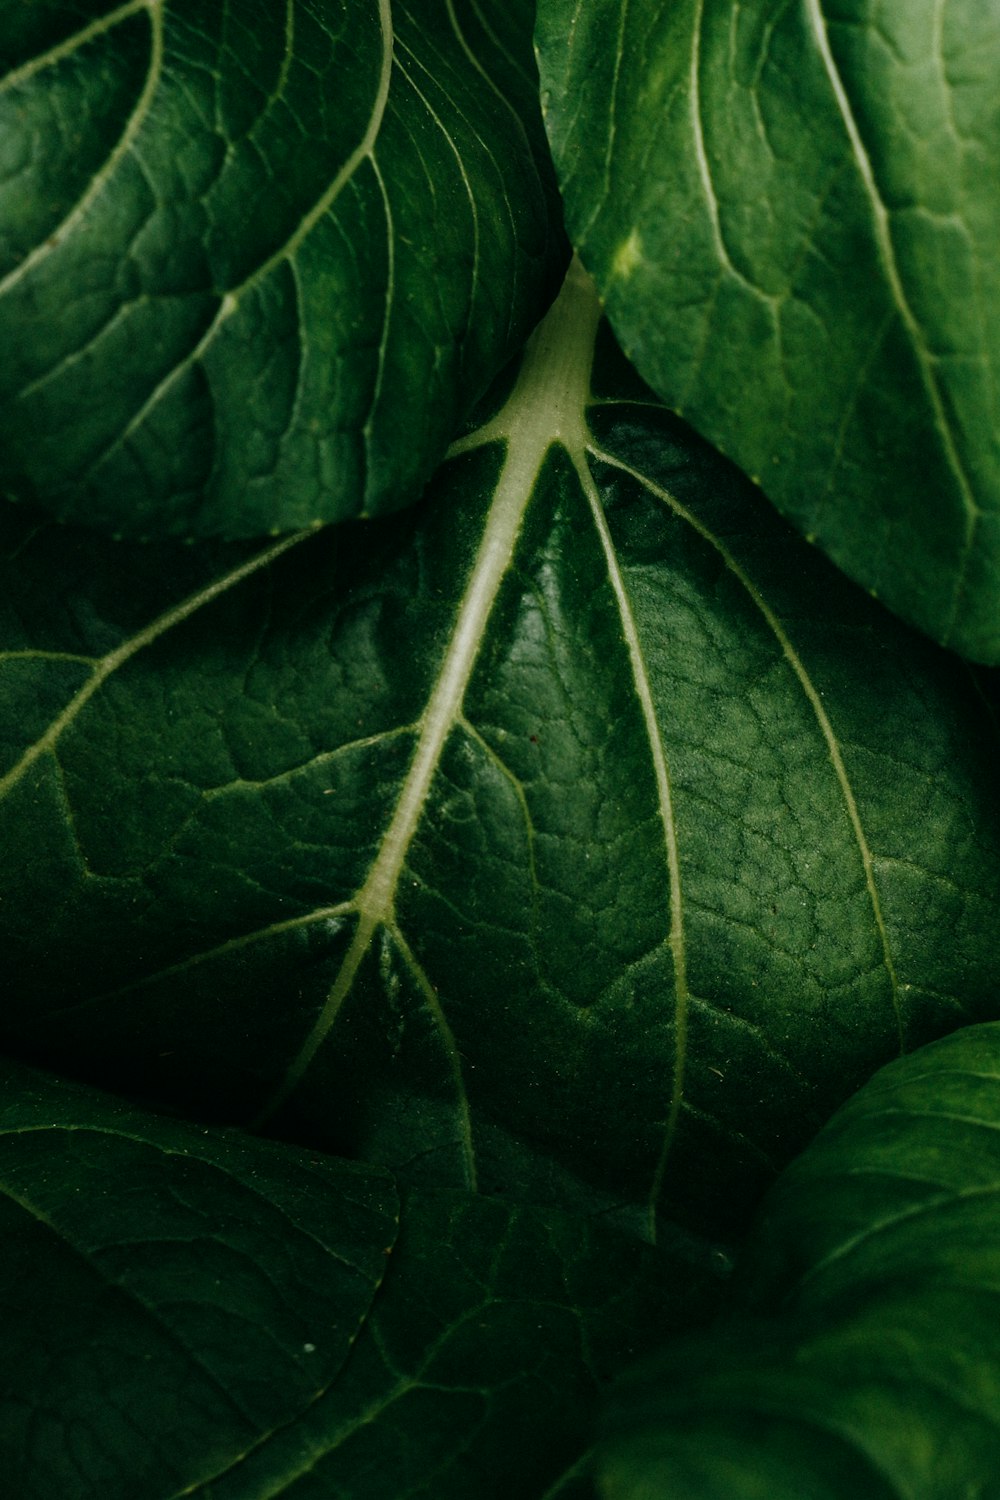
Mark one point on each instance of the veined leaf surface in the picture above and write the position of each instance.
(171, 1295)
(583, 835)
(196, 1312)
(257, 258)
(792, 212)
(877, 1262)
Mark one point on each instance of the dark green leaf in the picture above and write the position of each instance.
(583, 835)
(257, 258)
(792, 212)
(191, 1311)
(877, 1259)
(171, 1295)
(477, 1372)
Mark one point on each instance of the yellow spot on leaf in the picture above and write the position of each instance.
(627, 256)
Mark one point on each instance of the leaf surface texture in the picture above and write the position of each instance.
(863, 1359)
(191, 1311)
(257, 258)
(582, 835)
(792, 213)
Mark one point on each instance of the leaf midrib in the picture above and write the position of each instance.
(546, 406)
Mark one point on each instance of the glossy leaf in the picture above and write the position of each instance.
(877, 1263)
(582, 835)
(256, 259)
(191, 1311)
(792, 212)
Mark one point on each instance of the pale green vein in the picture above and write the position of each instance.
(362, 152)
(611, 111)
(55, 55)
(107, 665)
(29, 655)
(515, 63)
(700, 152)
(815, 702)
(942, 1199)
(306, 1463)
(703, 164)
(307, 1460)
(122, 146)
(496, 759)
(477, 66)
(231, 302)
(467, 186)
(376, 899)
(314, 762)
(77, 356)
(516, 787)
(581, 1471)
(331, 916)
(661, 774)
(128, 1290)
(286, 60)
(390, 281)
(547, 404)
(887, 254)
(433, 1002)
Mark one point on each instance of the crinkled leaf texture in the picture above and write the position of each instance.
(257, 258)
(792, 212)
(876, 1265)
(583, 835)
(196, 1312)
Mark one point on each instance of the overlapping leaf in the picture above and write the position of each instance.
(793, 214)
(255, 258)
(171, 1295)
(191, 1311)
(583, 836)
(877, 1260)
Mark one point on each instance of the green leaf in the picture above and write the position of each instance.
(171, 1295)
(792, 214)
(582, 835)
(256, 259)
(191, 1311)
(877, 1262)
(479, 1369)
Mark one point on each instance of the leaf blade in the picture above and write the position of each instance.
(192, 1311)
(199, 345)
(791, 231)
(480, 737)
(861, 1350)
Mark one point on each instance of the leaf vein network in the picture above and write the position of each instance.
(813, 698)
(705, 168)
(231, 300)
(107, 665)
(894, 282)
(436, 1012)
(122, 146)
(664, 793)
(129, 1291)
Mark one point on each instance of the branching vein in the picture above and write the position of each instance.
(815, 702)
